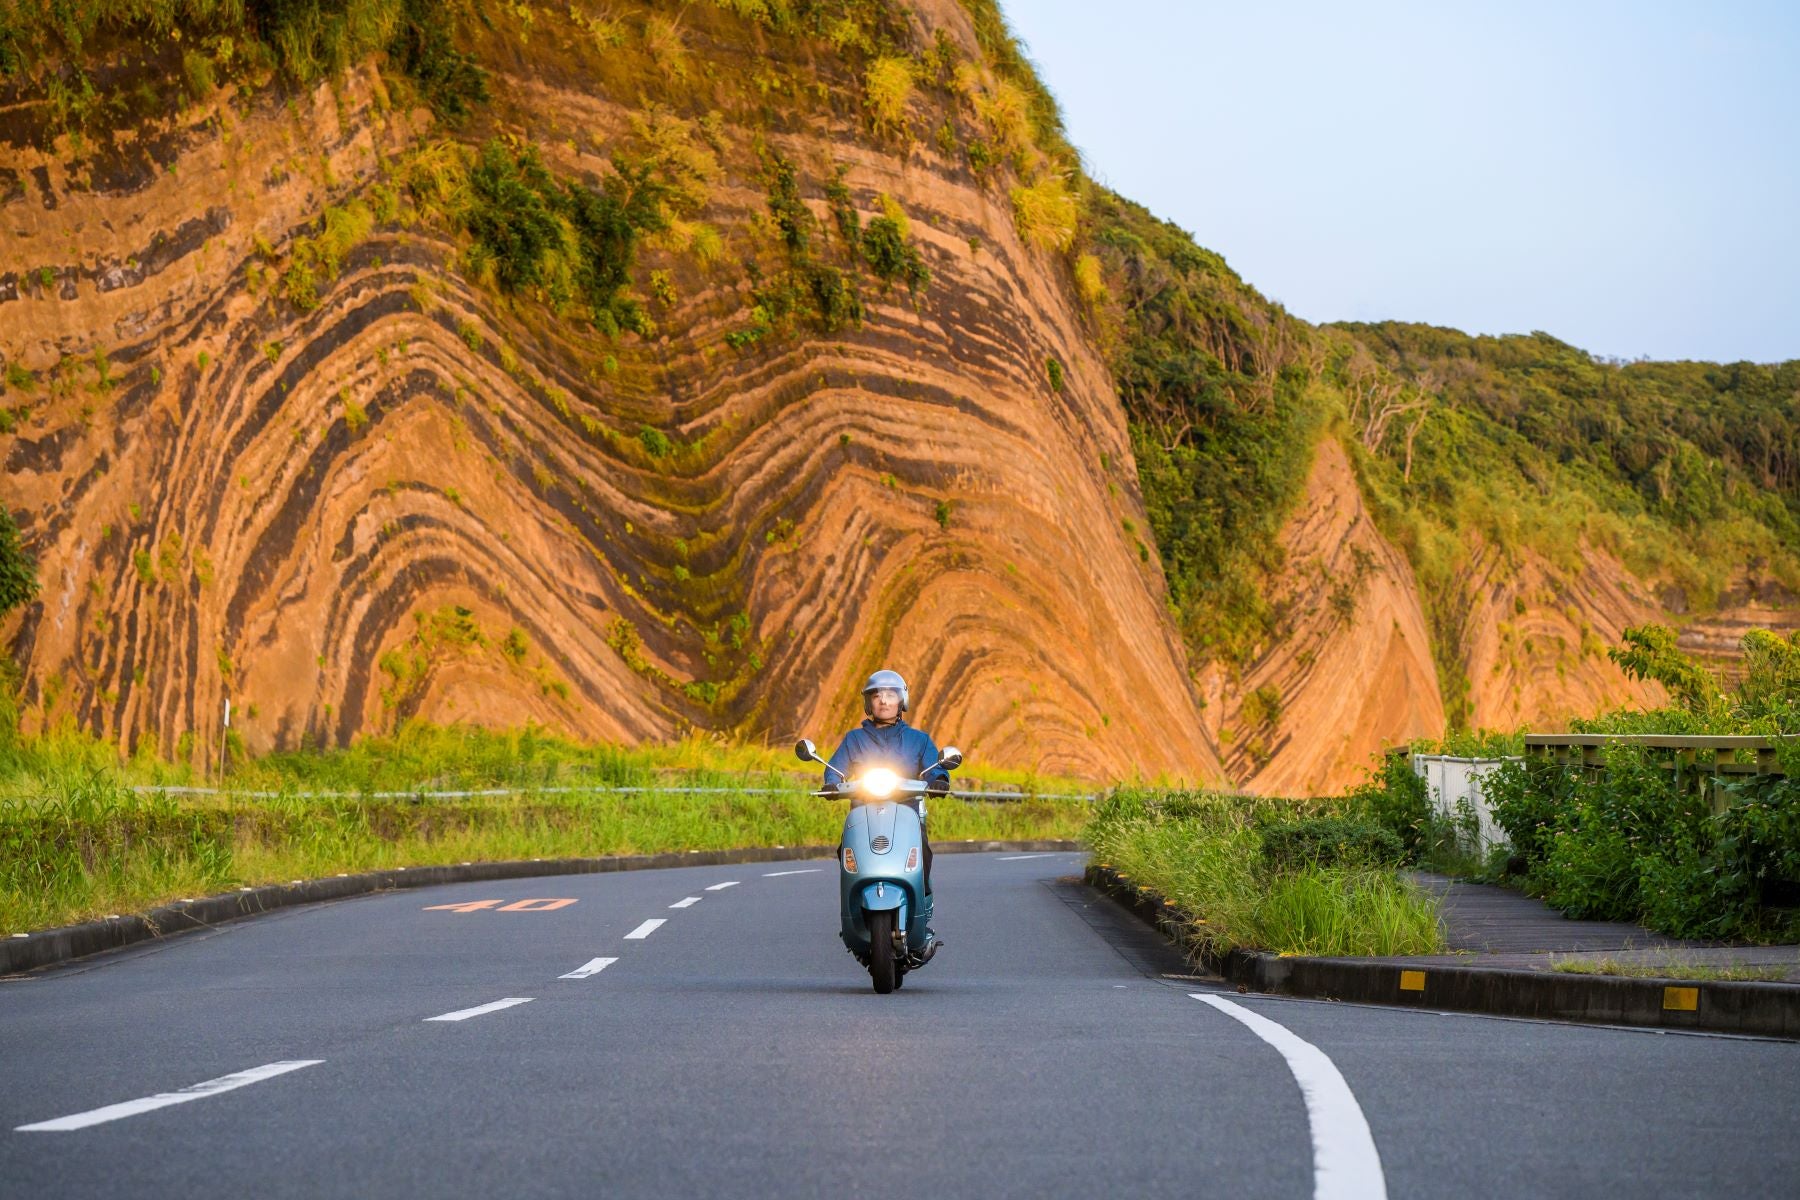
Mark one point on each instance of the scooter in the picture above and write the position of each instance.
(882, 905)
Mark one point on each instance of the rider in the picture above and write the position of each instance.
(884, 739)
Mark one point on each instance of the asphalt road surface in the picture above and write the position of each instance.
(735, 1050)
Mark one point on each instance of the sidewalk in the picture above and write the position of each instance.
(1504, 951)
(1492, 926)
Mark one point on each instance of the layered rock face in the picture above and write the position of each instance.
(422, 498)
(395, 489)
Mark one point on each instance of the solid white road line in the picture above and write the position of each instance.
(646, 929)
(1345, 1162)
(592, 966)
(688, 903)
(719, 887)
(463, 1014)
(805, 871)
(211, 1087)
(1017, 857)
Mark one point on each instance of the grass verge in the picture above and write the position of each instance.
(1212, 855)
(1673, 968)
(77, 841)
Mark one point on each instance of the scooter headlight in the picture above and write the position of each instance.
(880, 783)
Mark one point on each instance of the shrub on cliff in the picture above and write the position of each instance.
(18, 574)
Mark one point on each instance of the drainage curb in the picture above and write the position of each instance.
(47, 946)
(1757, 1009)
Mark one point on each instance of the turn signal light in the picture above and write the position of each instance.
(912, 858)
(849, 860)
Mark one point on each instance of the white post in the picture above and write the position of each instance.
(224, 732)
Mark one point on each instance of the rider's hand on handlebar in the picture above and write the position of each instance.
(938, 787)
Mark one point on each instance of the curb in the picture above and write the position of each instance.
(1753, 1009)
(42, 948)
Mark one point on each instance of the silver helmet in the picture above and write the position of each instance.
(884, 679)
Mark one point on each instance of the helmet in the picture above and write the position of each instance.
(884, 679)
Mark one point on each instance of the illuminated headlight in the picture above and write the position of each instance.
(849, 860)
(880, 783)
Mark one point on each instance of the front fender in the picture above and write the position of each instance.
(879, 895)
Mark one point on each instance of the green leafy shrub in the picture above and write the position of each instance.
(18, 573)
(1395, 798)
(891, 255)
(570, 242)
(1328, 841)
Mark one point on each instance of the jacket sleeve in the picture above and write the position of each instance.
(928, 754)
(841, 758)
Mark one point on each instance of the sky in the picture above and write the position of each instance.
(1623, 176)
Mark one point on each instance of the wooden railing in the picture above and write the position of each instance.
(1709, 754)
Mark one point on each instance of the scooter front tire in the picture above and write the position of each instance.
(883, 970)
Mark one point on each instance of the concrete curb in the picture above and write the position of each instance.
(1757, 1009)
(47, 946)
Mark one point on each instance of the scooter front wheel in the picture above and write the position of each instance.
(883, 970)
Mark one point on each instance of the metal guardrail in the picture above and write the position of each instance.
(477, 793)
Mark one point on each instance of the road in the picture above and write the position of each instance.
(736, 1051)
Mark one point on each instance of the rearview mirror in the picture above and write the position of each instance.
(952, 758)
(805, 751)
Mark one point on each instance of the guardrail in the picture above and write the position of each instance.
(1716, 754)
(648, 789)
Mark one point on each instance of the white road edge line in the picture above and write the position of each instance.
(719, 887)
(1345, 1162)
(129, 1108)
(463, 1014)
(688, 903)
(802, 871)
(1017, 857)
(592, 966)
(646, 929)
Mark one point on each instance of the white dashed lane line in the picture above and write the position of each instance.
(646, 929)
(803, 871)
(198, 1091)
(592, 966)
(719, 887)
(1346, 1164)
(688, 903)
(463, 1014)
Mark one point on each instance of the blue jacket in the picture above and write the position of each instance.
(899, 747)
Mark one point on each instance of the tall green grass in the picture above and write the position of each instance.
(1206, 852)
(79, 840)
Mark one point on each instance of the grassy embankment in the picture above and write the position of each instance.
(1294, 876)
(78, 841)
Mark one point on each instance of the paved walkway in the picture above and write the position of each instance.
(1491, 926)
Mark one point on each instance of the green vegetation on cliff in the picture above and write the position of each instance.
(1689, 473)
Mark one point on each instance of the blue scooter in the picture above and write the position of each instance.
(882, 904)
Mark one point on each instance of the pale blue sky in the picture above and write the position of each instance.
(1625, 176)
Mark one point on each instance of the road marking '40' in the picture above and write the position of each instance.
(469, 906)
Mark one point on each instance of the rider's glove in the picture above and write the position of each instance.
(938, 787)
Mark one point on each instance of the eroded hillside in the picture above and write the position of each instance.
(645, 368)
(289, 437)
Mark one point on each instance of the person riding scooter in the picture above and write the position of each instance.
(884, 739)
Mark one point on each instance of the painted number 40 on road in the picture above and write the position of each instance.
(469, 906)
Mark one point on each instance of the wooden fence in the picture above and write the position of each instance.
(1702, 754)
